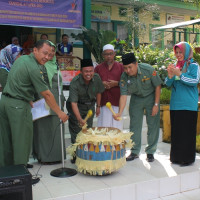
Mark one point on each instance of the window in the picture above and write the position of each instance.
(106, 26)
(156, 16)
(156, 37)
(118, 27)
(122, 32)
(94, 26)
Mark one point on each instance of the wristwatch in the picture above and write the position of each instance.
(156, 104)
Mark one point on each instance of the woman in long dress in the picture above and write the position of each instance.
(47, 137)
(183, 77)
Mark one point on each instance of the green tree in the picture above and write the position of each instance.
(95, 41)
(138, 9)
(196, 3)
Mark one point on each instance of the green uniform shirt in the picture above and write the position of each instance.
(141, 85)
(80, 92)
(25, 78)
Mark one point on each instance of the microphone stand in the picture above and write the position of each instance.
(62, 172)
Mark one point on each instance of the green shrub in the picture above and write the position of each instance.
(165, 96)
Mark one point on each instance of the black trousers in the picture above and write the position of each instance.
(183, 136)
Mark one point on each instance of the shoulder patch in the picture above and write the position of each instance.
(122, 83)
(154, 73)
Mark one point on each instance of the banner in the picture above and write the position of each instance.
(67, 76)
(42, 13)
(174, 18)
(100, 13)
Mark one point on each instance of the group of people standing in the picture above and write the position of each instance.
(36, 76)
(143, 84)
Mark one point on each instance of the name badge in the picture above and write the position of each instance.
(65, 49)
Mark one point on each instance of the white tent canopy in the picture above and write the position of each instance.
(180, 24)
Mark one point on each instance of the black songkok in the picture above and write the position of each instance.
(86, 63)
(128, 58)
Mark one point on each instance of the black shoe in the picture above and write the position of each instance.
(150, 157)
(35, 180)
(132, 156)
(73, 160)
(175, 162)
(184, 164)
(50, 163)
(29, 166)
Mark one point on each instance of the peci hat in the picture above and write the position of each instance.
(108, 47)
(86, 63)
(128, 58)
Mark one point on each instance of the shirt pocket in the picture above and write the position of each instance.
(146, 84)
(132, 88)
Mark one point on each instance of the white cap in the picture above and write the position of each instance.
(108, 47)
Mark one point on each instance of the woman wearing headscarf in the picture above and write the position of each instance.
(46, 137)
(183, 77)
(7, 57)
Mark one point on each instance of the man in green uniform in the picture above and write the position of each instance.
(16, 126)
(85, 90)
(141, 81)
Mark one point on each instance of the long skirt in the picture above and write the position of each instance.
(183, 136)
(47, 139)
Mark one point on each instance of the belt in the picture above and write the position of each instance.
(87, 102)
(8, 95)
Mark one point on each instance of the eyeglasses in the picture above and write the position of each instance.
(108, 54)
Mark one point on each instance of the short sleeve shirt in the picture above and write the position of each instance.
(141, 85)
(25, 78)
(65, 49)
(79, 91)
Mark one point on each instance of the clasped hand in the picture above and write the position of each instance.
(109, 84)
(173, 71)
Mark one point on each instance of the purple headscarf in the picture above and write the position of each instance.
(8, 56)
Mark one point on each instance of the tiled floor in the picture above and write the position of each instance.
(137, 180)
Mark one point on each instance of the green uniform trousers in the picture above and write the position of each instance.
(3, 77)
(16, 131)
(136, 112)
(74, 127)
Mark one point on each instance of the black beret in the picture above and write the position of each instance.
(86, 63)
(128, 58)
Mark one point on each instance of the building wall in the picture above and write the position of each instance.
(177, 9)
(146, 37)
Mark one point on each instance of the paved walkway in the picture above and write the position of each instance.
(137, 180)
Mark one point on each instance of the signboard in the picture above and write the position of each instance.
(42, 13)
(100, 13)
(174, 18)
(67, 76)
